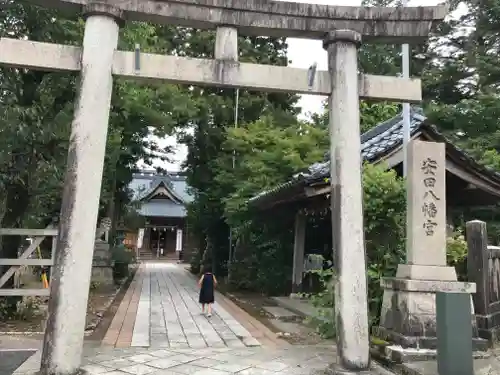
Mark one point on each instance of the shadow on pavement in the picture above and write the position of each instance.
(10, 360)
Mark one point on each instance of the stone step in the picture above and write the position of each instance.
(280, 313)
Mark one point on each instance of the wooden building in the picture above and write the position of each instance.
(468, 184)
(161, 199)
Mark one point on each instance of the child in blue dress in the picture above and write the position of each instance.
(207, 284)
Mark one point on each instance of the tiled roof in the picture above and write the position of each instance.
(146, 182)
(165, 181)
(143, 181)
(375, 143)
(162, 208)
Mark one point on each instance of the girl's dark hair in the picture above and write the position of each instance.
(207, 268)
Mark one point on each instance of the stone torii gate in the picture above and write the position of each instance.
(342, 29)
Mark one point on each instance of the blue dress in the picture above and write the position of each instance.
(207, 289)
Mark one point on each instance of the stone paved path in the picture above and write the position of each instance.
(161, 310)
(208, 361)
(158, 329)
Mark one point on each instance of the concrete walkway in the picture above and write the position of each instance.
(161, 310)
(159, 330)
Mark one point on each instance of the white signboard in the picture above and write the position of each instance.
(178, 242)
(140, 238)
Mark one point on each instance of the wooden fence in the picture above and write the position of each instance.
(483, 268)
(26, 259)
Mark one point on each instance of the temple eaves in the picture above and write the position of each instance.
(278, 19)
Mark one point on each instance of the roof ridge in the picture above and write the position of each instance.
(168, 185)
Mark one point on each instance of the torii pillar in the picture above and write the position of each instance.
(63, 340)
(351, 306)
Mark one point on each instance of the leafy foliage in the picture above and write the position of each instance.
(268, 153)
(324, 302)
(37, 110)
(262, 261)
(385, 222)
(209, 155)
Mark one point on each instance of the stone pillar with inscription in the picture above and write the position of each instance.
(408, 315)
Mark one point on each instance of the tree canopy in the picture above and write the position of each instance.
(230, 159)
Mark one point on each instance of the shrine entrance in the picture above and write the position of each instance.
(162, 240)
(342, 30)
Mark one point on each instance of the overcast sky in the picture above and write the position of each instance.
(302, 53)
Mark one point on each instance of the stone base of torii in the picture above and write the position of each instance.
(341, 28)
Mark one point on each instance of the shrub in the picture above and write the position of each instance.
(385, 227)
(26, 309)
(324, 322)
(121, 258)
(262, 261)
(195, 262)
(456, 254)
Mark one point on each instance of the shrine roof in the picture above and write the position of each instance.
(160, 194)
(145, 182)
(376, 145)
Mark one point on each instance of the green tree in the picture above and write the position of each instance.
(268, 153)
(214, 117)
(37, 110)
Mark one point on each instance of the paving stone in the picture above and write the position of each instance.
(183, 358)
(162, 353)
(231, 367)
(187, 369)
(206, 362)
(118, 363)
(165, 372)
(235, 343)
(97, 369)
(256, 371)
(164, 363)
(139, 369)
(102, 358)
(160, 345)
(250, 341)
(209, 371)
(174, 344)
(142, 358)
(272, 366)
(222, 357)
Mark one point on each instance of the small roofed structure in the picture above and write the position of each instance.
(468, 184)
(161, 200)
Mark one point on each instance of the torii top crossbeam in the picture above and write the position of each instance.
(278, 19)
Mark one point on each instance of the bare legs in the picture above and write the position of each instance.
(209, 309)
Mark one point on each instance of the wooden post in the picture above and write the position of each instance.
(298, 252)
(477, 264)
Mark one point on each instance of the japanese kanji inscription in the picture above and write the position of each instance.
(429, 208)
(426, 203)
